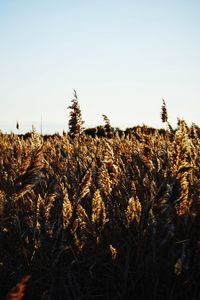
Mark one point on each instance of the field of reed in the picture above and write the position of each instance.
(101, 217)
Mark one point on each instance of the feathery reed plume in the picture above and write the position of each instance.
(108, 154)
(75, 122)
(81, 227)
(109, 167)
(36, 164)
(148, 153)
(84, 220)
(183, 167)
(38, 211)
(31, 176)
(67, 208)
(107, 127)
(183, 203)
(133, 211)
(164, 114)
(105, 181)
(182, 145)
(82, 216)
(49, 205)
(99, 216)
(84, 188)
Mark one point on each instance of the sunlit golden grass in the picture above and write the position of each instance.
(113, 217)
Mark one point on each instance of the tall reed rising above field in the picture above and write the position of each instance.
(75, 121)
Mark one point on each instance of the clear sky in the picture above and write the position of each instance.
(122, 57)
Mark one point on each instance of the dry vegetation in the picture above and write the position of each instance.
(101, 218)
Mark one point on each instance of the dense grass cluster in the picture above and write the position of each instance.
(101, 217)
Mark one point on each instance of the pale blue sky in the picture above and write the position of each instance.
(122, 57)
